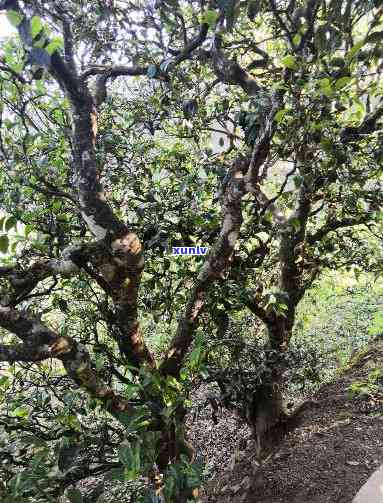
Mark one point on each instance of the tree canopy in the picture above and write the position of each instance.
(252, 128)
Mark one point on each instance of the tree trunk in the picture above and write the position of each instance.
(174, 446)
(265, 413)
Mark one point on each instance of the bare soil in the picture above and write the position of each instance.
(336, 446)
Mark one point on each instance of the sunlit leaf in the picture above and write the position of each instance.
(14, 17)
(54, 45)
(21, 412)
(342, 82)
(36, 26)
(289, 61)
(210, 17)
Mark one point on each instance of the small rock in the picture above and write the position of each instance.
(259, 481)
(236, 488)
(246, 482)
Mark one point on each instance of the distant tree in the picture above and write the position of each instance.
(108, 111)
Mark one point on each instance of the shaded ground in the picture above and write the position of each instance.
(326, 459)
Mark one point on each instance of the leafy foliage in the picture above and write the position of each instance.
(252, 128)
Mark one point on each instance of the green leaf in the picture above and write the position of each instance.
(54, 45)
(125, 454)
(342, 82)
(4, 243)
(295, 223)
(9, 223)
(327, 91)
(210, 17)
(36, 26)
(377, 36)
(27, 230)
(152, 71)
(195, 358)
(355, 49)
(297, 38)
(298, 180)
(376, 326)
(14, 17)
(4, 382)
(129, 455)
(325, 86)
(358, 108)
(67, 455)
(173, 383)
(21, 412)
(184, 373)
(74, 495)
(324, 82)
(328, 38)
(280, 115)
(289, 61)
(116, 474)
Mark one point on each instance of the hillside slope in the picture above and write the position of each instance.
(337, 445)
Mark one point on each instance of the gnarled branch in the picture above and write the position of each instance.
(40, 342)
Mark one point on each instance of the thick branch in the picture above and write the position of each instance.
(368, 125)
(213, 268)
(109, 269)
(333, 225)
(192, 45)
(105, 72)
(68, 45)
(230, 72)
(24, 281)
(95, 210)
(241, 180)
(257, 310)
(292, 236)
(22, 353)
(40, 342)
(114, 71)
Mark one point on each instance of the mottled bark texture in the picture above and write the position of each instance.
(115, 260)
(40, 342)
(116, 263)
(229, 71)
(266, 413)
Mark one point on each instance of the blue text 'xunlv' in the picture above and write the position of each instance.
(189, 250)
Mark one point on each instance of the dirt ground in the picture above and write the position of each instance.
(336, 446)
